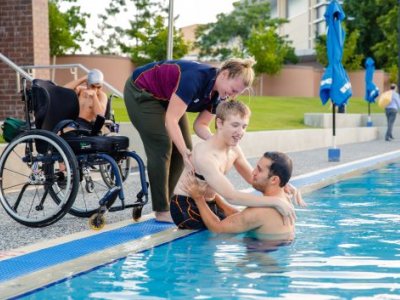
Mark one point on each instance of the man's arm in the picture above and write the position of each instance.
(99, 102)
(225, 206)
(235, 223)
(75, 83)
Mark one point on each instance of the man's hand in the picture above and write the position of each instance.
(295, 195)
(192, 188)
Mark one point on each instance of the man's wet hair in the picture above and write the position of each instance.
(281, 166)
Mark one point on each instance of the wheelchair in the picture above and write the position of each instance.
(46, 172)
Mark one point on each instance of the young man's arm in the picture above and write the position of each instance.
(243, 166)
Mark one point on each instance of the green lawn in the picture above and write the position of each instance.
(274, 113)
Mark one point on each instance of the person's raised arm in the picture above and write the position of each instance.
(100, 102)
(201, 125)
(176, 109)
(75, 83)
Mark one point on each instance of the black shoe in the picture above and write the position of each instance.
(387, 139)
(61, 180)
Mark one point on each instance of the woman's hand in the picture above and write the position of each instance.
(295, 195)
(192, 188)
(187, 159)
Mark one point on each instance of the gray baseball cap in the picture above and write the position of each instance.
(95, 77)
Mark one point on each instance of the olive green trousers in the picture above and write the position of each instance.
(164, 162)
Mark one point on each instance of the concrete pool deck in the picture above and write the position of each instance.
(18, 242)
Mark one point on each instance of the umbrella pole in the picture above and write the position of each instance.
(334, 125)
(369, 122)
(334, 153)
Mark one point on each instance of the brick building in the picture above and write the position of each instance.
(24, 39)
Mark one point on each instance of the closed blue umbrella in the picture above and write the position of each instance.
(371, 90)
(335, 84)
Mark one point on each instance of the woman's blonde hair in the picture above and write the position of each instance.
(240, 67)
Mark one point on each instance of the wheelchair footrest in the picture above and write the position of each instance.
(110, 196)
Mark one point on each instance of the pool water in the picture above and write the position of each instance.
(347, 247)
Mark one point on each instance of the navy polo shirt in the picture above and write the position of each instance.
(191, 81)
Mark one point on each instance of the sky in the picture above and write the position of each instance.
(189, 11)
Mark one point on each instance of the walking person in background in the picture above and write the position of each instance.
(391, 110)
(158, 95)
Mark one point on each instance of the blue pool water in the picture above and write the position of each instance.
(347, 247)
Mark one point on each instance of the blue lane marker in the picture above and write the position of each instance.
(41, 259)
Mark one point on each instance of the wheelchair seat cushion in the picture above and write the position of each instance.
(82, 144)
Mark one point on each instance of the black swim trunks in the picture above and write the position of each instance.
(186, 215)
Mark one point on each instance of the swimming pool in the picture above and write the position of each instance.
(347, 247)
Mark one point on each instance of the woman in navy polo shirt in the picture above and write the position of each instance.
(158, 95)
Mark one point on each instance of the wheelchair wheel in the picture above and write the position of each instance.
(124, 166)
(30, 169)
(92, 189)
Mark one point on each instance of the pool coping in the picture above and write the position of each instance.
(31, 281)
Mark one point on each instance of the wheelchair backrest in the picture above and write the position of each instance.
(52, 104)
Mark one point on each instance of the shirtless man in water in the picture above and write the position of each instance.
(270, 176)
(212, 159)
(92, 100)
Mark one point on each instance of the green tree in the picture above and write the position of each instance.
(66, 29)
(386, 49)
(242, 33)
(146, 38)
(351, 60)
(363, 16)
(268, 50)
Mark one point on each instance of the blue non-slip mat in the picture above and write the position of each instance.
(41, 259)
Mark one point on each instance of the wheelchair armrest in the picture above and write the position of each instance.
(61, 125)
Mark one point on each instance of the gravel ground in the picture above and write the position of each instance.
(14, 235)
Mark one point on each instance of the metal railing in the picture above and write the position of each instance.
(29, 70)
(19, 70)
(74, 71)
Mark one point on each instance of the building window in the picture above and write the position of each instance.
(296, 7)
(273, 4)
(320, 28)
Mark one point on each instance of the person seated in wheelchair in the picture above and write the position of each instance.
(92, 100)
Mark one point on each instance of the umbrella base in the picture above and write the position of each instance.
(334, 154)
(370, 123)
